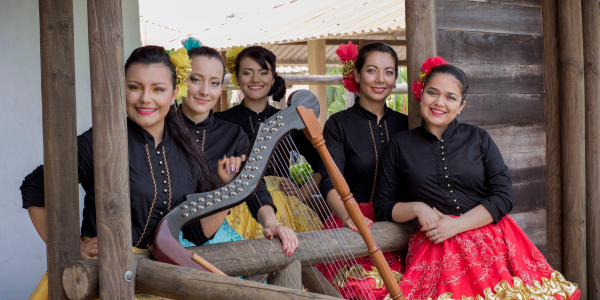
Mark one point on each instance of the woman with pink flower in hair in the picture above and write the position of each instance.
(451, 177)
(356, 138)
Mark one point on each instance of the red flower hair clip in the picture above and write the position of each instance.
(348, 54)
(428, 64)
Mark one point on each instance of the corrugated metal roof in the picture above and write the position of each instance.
(301, 20)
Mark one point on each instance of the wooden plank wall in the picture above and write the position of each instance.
(499, 45)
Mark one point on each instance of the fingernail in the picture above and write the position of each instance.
(243, 158)
(354, 229)
(237, 169)
(228, 171)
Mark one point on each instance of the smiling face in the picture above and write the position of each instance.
(441, 102)
(377, 78)
(204, 87)
(149, 92)
(255, 82)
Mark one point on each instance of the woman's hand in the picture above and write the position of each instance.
(425, 214)
(89, 249)
(347, 221)
(228, 168)
(445, 228)
(290, 188)
(286, 236)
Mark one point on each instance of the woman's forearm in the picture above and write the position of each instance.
(406, 211)
(38, 218)
(211, 225)
(475, 218)
(266, 216)
(336, 205)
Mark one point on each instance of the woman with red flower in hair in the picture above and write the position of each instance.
(356, 138)
(451, 177)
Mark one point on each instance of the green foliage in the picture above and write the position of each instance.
(300, 173)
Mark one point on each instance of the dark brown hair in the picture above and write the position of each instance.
(268, 61)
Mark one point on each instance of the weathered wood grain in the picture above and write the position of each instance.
(552, 128)
(490, 109)
(111, 162)
(488, 17)
(489, 48)
(530, 3)
(315, 282)
(421, 44)
(504, 79)
(317, 66)
(591, 52)
(59, 117)
(572, 94)
(533, 224)
(289, 276)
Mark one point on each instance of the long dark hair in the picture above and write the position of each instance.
(175, 126)
(366, 50)
(453, 71)
(264, 58)
(207, 52)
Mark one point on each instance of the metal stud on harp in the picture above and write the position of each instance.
(268, 137)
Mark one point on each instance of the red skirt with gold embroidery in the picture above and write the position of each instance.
(491, 262)
(358, 277)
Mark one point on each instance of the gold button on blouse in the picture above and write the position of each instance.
(457, 207)
(164, 182)
(442, 141)
(445, 168)
(450, 191)
(162, 172)
(158, 152)
(442, 147)
(443, 159)
(165, 202)
(197, 132)
(446, 176)
(442, 153)
(197, 141)
(161, 213)
(454, 200)
(160, 162)
(165, 190)
(382, 141)
(448, 185)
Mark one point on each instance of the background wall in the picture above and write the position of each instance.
(499, 45)
(22, 252)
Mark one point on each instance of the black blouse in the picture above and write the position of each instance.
(217, 138)
(356, 142)
(453, 174)
(248, 119)
(159, 179)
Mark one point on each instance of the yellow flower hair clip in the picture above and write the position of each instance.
(183, 68)
(232, 55)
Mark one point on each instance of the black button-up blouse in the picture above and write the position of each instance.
(356, 142)
(217, 138)
(453, 174)
(159, 179)
(248, 119)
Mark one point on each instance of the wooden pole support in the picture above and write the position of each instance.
(553, 142)
(421, 36)
(111, 162)
(315, 282)
(573, 141)
(61, 191)
(316, 66)
(591, 52)
(289, 277)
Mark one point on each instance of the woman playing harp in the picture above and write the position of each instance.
(164, 163)
(356, 138)
(253, 69)
(224, 144)
(452, 178)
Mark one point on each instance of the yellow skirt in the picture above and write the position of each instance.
(291, 212)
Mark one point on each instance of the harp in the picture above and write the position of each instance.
(301, 115)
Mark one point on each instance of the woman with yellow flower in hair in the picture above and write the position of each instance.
(164, 162)
(253, 69)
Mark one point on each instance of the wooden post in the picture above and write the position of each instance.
(421, 34)
(573, 141)
(59, 118)
(553, 142)
(111, 162)
(315, 282)
(591, 52)
(289, 277)
(222, 103)
(316, 66)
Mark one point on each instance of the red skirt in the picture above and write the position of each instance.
(491, 262)
(358, 278)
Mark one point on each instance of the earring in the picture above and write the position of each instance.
(172, 102)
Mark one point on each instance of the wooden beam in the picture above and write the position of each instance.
(59, 118)
(111, 162)
(316, 66)
(337, 42)
(591, 52)
(572, 94)
(289, 276)
(421, 36)
(401, 63)
(553, 141)
(315, 282)
(222, 104)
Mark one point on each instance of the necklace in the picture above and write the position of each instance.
(387, 135)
